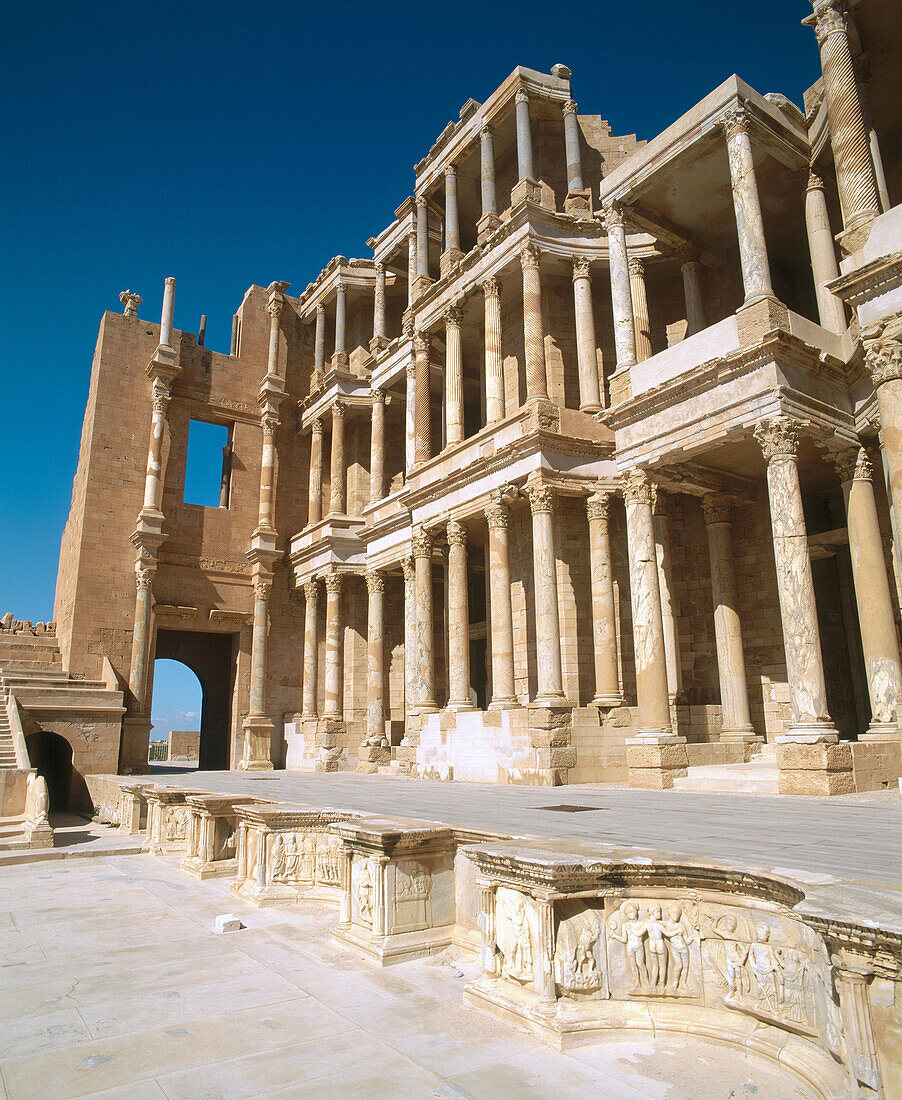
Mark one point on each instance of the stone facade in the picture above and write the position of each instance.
(581, 472)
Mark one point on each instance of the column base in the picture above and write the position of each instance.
(506, 703)
(135, 745)
(38, 834)
(257, 740)
(808, 733)
(591, 409)
(742, 736)
(820, 768)
(550, 701)
(455, 707)
(550, 733)
(449, 259)
(882, 731)
(486, 226)
(607, 702)
(655, 760)
(328, 752)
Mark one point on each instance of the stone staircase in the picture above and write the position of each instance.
(759, 776)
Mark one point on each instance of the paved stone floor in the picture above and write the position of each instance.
(112, 984)
(857, 839)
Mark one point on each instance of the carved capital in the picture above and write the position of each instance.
(454, 316)
(408, 569)
(522, 96)
(637, 489)
(269, 422)
(332, 581)
(316, 427)
(778, 437)
(541, 498)
(485, 130)
(688, 253)
(457, 533)
(378, 396)
(598, 505)
(160, 397)
(853, 465)
(311, 591)
(717, 509)
(491, 286)
(569, 108)
(612, 217)
(144, 578)
(498, 516)
(637, 268)
(339, 408)
(884, 359)
(422, 343)
(320, 311)
(815, 182)
(341, 287)
(828, 18)
(582, 267)
(379, 268)
(421, 544)
(451, 170)
(130, 302)
(529, 256)
(262, 590)
(375, 581)
(422, 200)
(274, 306)
(735, 121)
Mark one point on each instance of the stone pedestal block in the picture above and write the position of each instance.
(449, 259)
(526, 191)
(815, 769)
(550, 731)
(371, 757)
(578, 203)
(760, 317)
(486, 226)
(657, 765)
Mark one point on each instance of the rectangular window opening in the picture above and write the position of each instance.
(208, 471)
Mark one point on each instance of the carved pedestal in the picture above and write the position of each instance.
(212, 840)
(167, 820)
(550, 732)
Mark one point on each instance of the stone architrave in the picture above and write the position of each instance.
(872, 593)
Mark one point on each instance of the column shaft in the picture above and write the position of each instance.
(621, 295)
(410, 431)
(494, 373)
(548, 630)
(454, 377)
(669, 608)
(168, 312)
(533, 330)
(377, 446)
(640, 310)
(153, 480)
(524, 137)
(571, 146)
(337, 463)
(824, 267)
(333, 678)
(311, 649)
(379, 304)
(137, 679)
(422, 411)
(747, 208)
(341, 322)
(502, 620)
(411, 265)
(801, 638)
(410, 636)
(691, 271)
(487, 171)
(458, 618)
(734, 695)
(257, 699)
(586, 353)
(425, 665)
(267, 472)
(648, 625)
(604, 618)
(375, 659)
(315, 489)
(452, 217)
(319, 347)
(422, 237)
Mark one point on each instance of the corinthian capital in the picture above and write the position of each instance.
(637, 268)
(144, 578)
(582, 267)
(498, 516)
(612, 217)
(262, 590)
(716, 509)
(778, 437)
(378, 396)
(637, 489)
(457, 533)
(491, 287)
(884, 358)
(522, 96)
(332, 581)
(375, 581)
(454, 316)
(569, 107)
(540, 497)
(421, 544)
(529, 255)
(598, 505)
(311, 591)
(485, 130)
(160, 397)
(422, 342)
(734, 121)
(827, 18)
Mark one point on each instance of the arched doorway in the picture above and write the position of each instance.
(178, 697)
(51, 756)
(212, 658)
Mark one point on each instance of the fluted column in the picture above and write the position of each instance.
(852, 981)
(571, 145)
(375, 659)
(621, 295)
(586, 353)
(422, 412)
(379, 339)
(670, 613)
(648, 624)
(454, 377)
(377, 446)
(494, 373)
(831, 311)
(734, 694)
(855, 175)
(311, 644)
(315, 487)
(502, 621)
(333, 674)
(747, 207)
(548, 628)
(337, 459)
(604, 617)
(524, 137)
(340, 357)
(153, 477)
(137, 677)
(872, 594)
(319, 348)
(257, 725)
(421, 547)
(533, 330)
(458, 618)
(779, 442)
(269, 423)
(691, 270)
(640, 309)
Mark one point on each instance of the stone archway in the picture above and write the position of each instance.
(51, 755)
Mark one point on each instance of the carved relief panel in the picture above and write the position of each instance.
(653, 947)
(412, 896)
(516, 934)
(363, 891)
(580, 956)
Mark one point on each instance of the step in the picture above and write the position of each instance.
(756, 777)
(13, 665)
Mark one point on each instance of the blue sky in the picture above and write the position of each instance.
(231, 144)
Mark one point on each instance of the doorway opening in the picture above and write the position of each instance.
(51, 756)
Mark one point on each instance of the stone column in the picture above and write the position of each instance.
(379, 340)
(422, 412)
(454, 377)
(747, 207)
(855, 176)
(453, 252)
(311, 651)
(153, 477)
(319, 348)
(494, 373)
(502, 621)
(604, 618)
(422, 244)
(375, 660)
(421, 547)
(524, 137)
(167, 313)
(670, 612)
(648, 623)
(621, 295)
(489, 221)
(883, 354)
(489, 952)
(734, 695)
(640, 309)
(257, 726)
(410, 431)
(137, 677)
(411, 266)
(333, 695)
(691, 270)
(571, 145)
(545, 982)
(533, 331)
(337, 463)
(852, 981)
(811, 722)
(831, 311)
(872, 594)
(548, 629)
(340, 357)
(315, 489)
(586, 353)
(410, 636)
(269, 423)
(458, 618)
(377, 446)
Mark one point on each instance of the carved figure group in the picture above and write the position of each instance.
(657, 947)
(576, 964)
(177, 824)
(293, 857)
(514, 938)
